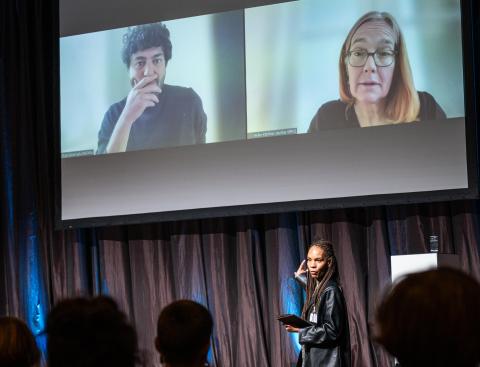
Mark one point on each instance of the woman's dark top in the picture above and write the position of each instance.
(339, 115)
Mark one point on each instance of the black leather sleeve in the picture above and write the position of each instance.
(330, 321)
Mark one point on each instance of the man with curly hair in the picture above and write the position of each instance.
(153, 114)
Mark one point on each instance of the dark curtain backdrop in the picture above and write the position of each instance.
(240, 267)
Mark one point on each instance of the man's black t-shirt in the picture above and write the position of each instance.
(177, 119)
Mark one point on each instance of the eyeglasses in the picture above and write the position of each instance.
(358, 58)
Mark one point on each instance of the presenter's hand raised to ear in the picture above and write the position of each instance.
(302, 269)
(141, 96)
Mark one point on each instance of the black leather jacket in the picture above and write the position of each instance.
(327, 343)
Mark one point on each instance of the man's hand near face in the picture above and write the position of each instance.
(141, 96)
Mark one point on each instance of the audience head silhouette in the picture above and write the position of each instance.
(92, 332)
(17, 344)
(432, 318)
(183, 334)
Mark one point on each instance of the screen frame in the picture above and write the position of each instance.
(470, 37)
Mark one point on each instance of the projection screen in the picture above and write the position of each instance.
(261, 107)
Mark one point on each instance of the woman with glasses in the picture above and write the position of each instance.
(376, 84)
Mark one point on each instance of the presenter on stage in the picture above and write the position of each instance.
(376, 83)
(153, 114)
(326, 342)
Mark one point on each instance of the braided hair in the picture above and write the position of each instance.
(315, 287)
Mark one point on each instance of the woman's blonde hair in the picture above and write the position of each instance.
(402, 102)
